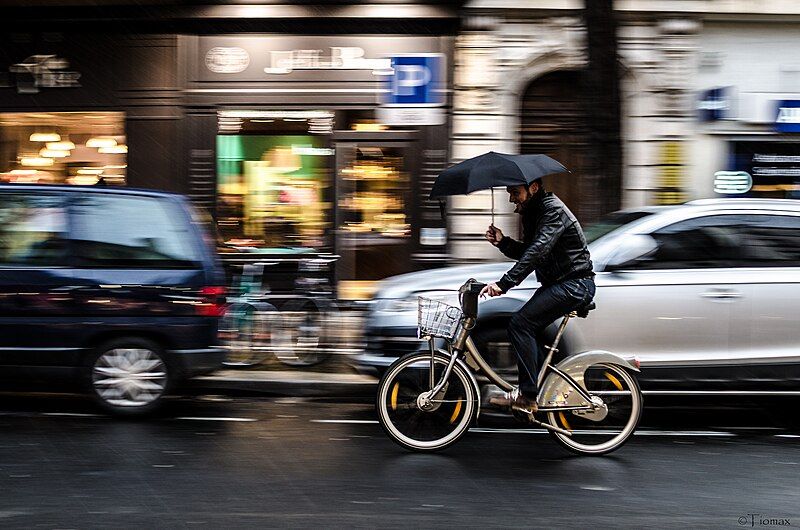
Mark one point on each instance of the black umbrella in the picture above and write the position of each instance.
(491, 170)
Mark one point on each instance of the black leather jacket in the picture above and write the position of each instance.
(553, 245)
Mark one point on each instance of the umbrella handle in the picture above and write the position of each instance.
(492, 206)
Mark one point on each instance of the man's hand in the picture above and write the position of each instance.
(491, 290)
(494, 235)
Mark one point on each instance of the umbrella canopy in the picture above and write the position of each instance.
(491, 170)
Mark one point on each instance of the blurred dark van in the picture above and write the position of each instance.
(115, 288)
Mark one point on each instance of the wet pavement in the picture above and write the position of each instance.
(213, 461)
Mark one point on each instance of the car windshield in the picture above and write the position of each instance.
(610, 223)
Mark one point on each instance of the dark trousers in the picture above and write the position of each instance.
(545, 306)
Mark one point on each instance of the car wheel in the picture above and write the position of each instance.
(129, 376)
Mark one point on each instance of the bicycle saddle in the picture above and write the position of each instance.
(583, 312)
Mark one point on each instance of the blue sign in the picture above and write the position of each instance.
(788, 118)
(714, 104)
(416, 81)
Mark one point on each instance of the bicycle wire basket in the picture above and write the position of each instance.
(437, 319)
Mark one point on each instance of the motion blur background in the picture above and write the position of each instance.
(308, 134)
(300, 131)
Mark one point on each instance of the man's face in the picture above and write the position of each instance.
(519, 195)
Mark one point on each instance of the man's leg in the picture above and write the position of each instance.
(523, 340)
(545, 306)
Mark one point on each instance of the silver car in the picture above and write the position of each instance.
(706, 295)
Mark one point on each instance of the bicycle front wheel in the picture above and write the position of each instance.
(607, 429)
(444, 422)
(241, 332)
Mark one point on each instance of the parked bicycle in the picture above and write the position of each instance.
(298, 329)
(428, 400)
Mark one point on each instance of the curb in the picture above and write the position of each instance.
(286, 383)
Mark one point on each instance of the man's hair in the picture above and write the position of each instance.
(541, 184)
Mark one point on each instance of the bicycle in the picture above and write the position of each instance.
(299, 330)
(428, 400)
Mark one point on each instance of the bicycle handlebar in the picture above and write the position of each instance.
(468, 296)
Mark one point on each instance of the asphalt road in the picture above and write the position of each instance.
(232, 463)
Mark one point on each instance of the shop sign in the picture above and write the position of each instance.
(714, 104)
(313, 59)
(774, 166)
(227, 59)
(411, 115)
(732, 182)
(340, 58)
(433, 236)
(43, 71)
(788, 118)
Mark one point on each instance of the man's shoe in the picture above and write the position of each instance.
(514, 400)
(504, 400)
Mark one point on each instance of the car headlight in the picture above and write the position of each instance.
(400, 306)
(412, 302)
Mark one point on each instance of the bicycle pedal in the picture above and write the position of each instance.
(523, 415)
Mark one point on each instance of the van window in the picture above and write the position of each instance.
(130, 231)
(32, 230)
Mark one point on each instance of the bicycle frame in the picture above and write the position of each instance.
(462, 344)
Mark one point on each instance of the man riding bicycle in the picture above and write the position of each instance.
(554, 246)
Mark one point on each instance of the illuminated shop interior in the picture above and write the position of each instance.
(277, 182)
(274, 180)
(82, 148)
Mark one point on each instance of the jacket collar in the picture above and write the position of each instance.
(534, 203)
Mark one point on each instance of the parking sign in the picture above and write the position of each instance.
(416, 81)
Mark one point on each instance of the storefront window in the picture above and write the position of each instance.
(82, 148)
(274, 180)
(374, 188)
(774, 167)
(374, 214)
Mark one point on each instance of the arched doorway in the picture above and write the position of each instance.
(553, 123)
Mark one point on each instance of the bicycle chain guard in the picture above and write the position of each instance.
(558, 392)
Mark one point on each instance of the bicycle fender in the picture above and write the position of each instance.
(556, 391)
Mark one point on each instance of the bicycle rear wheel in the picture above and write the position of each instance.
(442, 425)
(601, 432)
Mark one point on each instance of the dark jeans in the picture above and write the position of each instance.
(545, 306)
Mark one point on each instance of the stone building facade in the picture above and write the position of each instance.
(515, 72)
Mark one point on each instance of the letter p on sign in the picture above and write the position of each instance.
(416, 80)
(409, 77)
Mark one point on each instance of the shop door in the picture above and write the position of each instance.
(374, 222)
(553, 124)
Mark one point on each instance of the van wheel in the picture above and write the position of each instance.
(129, 376)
